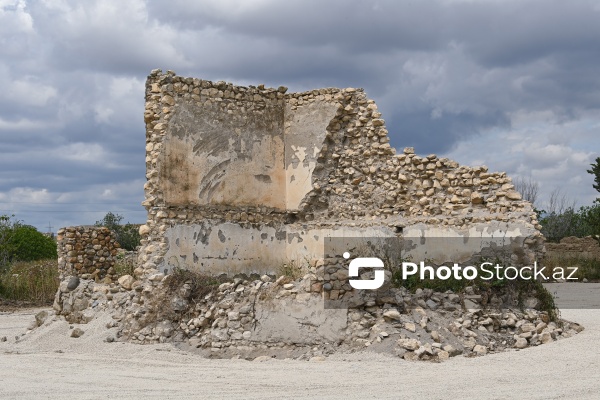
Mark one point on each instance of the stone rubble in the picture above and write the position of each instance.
(221, 324)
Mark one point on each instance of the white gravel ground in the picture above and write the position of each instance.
(47, 363)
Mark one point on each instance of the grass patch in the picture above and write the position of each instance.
(34, 282)
(192, 287)
(293, 270)
(587, 267)
(125, 264)
(200, 284)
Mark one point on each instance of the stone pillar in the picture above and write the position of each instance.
(88, 252)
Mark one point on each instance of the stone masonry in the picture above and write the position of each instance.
(245, 179)
(88, 252)
(585, 247)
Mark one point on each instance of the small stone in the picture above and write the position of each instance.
(424, 350)
(265, 278)
(521, 343)
(443, 355)
(546, 337)
(476, 198)
(480, 350)
(317, 359)
(527, 327)
(144, 230)
(409, 344)
(126, 281)
(233, 315)
(513, 195)
(452, 351)
(76, 333)
(288, 286)
(156, 277)
(262, 358)
(431, 304)
(73, 283)
(392, 314)
(409, 326)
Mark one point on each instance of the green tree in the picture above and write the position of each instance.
(595, 170)
(19, 242)
(127, 235)
(29, 244)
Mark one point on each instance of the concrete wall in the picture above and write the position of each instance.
(244, 179)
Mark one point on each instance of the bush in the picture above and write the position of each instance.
(29, 244)
(127, 235)
(19, 242)
(33, 282)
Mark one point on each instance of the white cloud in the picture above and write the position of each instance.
(27, 92)
(85, 152)
(525, 151)
(14, 17)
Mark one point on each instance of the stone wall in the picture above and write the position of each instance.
(88, 252)
(244, 179)
(586, 247)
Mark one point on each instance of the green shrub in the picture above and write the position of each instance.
(19, 242)
(29, 244)
(33, 282)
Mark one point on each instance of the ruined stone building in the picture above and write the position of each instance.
(242, 179)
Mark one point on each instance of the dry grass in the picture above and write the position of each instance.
(33, 282)
(587, 267)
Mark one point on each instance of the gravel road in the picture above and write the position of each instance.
(47, 363)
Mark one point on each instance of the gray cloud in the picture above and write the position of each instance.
(512, 84)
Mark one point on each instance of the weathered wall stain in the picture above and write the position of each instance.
(244, 179)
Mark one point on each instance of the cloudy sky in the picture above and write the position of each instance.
(514, 85)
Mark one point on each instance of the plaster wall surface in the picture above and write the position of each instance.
(224, 154)
(244, 179)
(305, 131)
